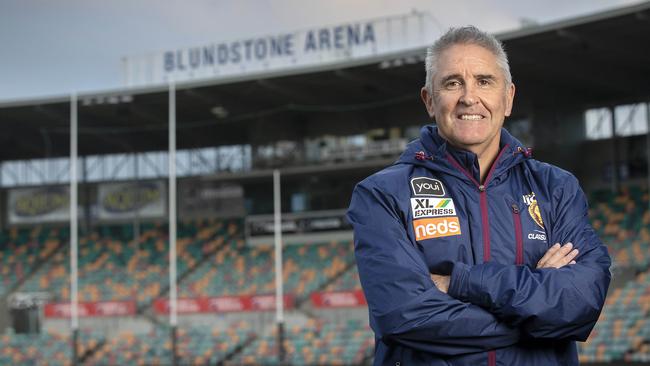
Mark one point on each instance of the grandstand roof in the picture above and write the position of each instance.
(598, 59)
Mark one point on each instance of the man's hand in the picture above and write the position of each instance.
(558, 256)
(441, 282)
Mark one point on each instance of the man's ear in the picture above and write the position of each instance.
(427, 99)
(510, 96)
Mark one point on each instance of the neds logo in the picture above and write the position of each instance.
(436, 227)
(423, 186)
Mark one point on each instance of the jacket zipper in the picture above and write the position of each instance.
(492, 358)
(519, 240)
(485, 222)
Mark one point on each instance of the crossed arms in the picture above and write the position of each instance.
(478, 307)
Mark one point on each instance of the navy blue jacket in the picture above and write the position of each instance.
(428, 213)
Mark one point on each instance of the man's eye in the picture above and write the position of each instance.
(484, 82)
(452, 84)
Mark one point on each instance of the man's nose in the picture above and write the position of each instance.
(469, 96)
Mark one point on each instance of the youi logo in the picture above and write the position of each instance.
(425, 186)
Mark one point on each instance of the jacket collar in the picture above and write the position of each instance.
(434, 152)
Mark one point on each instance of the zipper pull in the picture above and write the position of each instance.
(481, 188)
(515, 208)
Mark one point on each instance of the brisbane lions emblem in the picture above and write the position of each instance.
(533, 209)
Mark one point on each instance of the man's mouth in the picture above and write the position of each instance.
(470, 117)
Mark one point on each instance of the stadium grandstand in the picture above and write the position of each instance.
(309, 133)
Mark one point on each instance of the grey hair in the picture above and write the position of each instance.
(465, 35)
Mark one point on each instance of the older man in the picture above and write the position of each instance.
(454, 242)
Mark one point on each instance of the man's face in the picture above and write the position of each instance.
(470, 97)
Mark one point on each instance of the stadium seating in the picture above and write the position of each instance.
(348, 281)
(623, 329)
(623, 222)
(198, 345)
(48, 348)
(242, 270)
(213, 260)
(315, 343)
(112, 266)
(23, 249)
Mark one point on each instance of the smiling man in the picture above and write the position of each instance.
(470, 252)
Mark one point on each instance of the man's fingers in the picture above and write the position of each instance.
(563, 261)
(559, 255)
(548, 255)
(570, 257)
(441, 282)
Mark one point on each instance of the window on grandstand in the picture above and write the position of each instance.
(630, 120)
(598, 124)
(144, 165)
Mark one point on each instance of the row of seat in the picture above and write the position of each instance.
(315, 343)
(198, 345)
(48, 348)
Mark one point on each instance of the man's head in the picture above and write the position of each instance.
(468, 89)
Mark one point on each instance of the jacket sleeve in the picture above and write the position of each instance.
(546, 303)
(404, 304)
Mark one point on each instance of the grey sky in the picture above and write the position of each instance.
(54, 47)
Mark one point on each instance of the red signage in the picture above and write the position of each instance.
(222, 304)
(90, 309)
(338, 299)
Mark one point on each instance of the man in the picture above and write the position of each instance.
(454, 243)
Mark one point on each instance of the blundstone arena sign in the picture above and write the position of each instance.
(323, 45)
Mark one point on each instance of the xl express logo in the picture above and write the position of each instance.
(432, 207)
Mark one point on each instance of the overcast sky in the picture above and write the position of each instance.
(50, 48)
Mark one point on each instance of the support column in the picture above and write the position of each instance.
(279, 290)
(173, 320)
(74, 299)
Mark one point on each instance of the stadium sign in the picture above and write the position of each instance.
(309, 47)
(90, 309)
(299, 228)
(123, 201)
(38, 205)
(338, 299)
(199, 198)
(222, 304)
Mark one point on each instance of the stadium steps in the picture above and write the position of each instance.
(91, 351)
(142, 309)
(197, 345)
(305, 298)
(16, 286)
(239, 349)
